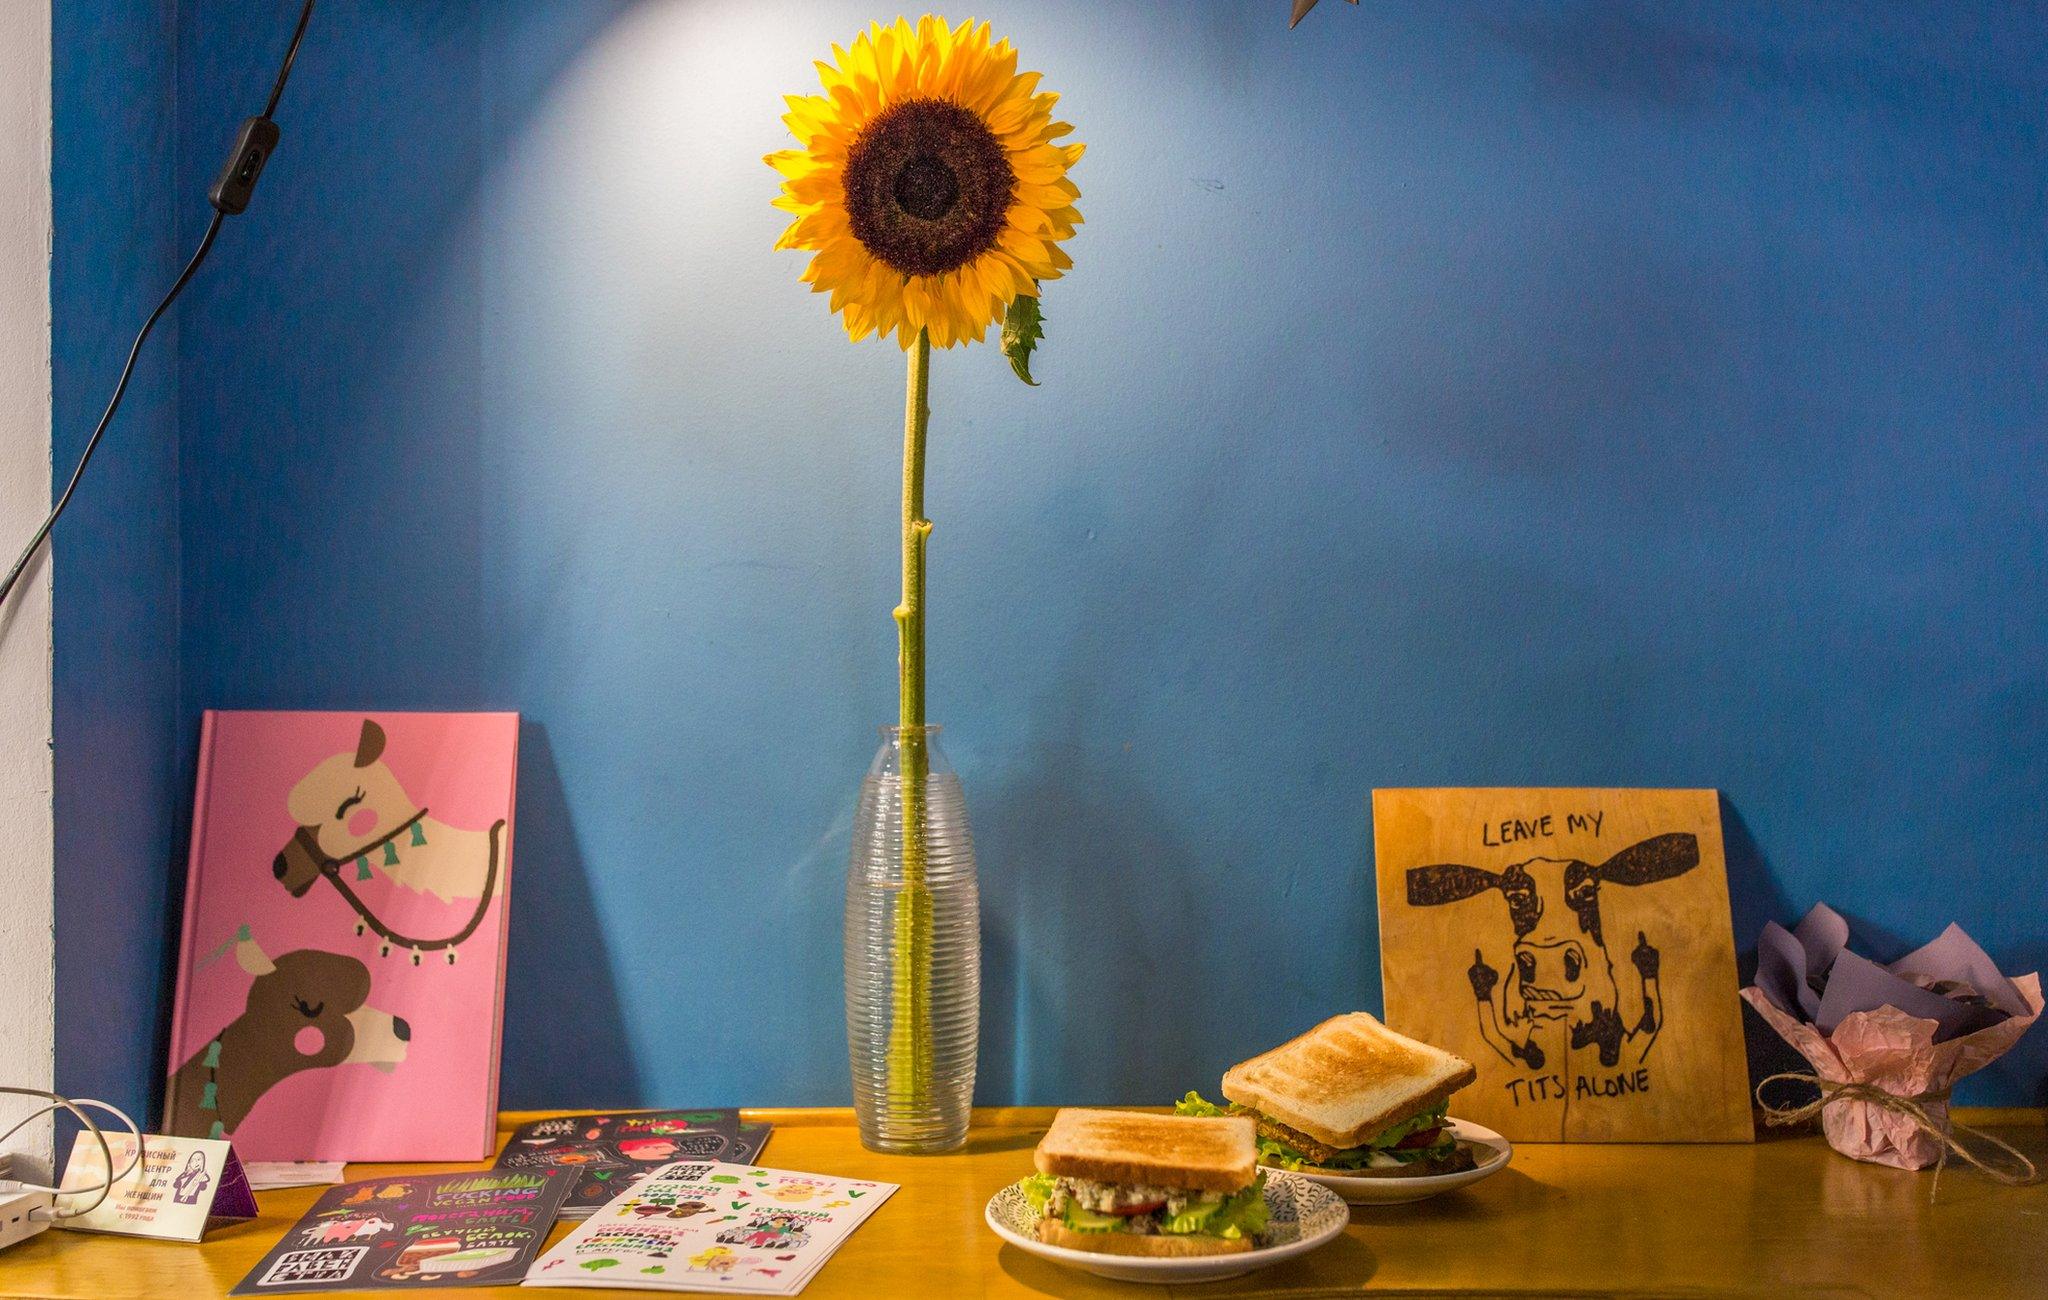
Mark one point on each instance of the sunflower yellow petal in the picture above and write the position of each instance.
(885, 65)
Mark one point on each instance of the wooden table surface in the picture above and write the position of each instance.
(1784, 1216)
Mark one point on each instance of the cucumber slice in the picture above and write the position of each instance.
(1081, 1220)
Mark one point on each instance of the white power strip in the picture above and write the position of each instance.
(17, 1218)
(23, 1214)
(26, 1208)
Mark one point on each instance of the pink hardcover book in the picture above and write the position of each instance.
(342, 980)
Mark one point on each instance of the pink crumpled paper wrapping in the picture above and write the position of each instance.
(1896, 1052)
(1883, 1045)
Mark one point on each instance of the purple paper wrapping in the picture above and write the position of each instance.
(1912, 1028)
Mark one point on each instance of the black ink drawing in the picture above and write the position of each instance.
(1554, 907)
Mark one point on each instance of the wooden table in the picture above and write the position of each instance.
(1785, 1216)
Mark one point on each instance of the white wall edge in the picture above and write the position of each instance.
(27, 897)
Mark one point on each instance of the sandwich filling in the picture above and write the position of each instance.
(1085, 1205)
(1419, 1137)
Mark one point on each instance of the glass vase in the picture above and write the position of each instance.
(913, 950)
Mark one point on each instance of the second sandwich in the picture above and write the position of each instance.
(1124, 1183)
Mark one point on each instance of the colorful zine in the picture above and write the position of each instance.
(470, 1229)
(713, 1227)
(607, 1154)
(342, 978)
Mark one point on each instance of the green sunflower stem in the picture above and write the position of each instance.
(910, 1021)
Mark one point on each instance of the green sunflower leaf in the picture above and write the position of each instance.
(1023, 327)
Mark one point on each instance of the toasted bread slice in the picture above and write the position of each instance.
(1346, 1080)
(1119, 1146)
(1054, 1233)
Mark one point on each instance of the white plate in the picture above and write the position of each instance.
(1490, 1154)
(1303, 1216)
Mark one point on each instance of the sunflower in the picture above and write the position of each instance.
(930, 185)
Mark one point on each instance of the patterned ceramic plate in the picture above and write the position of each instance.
(1490, 1155)
(1304, 1216)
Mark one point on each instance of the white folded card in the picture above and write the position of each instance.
(269, 1175)
(179, 1188)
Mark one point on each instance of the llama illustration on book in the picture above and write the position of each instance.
(367, 852)
(355, 819)
(306, 1011)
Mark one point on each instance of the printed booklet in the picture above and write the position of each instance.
(604, 1155)
(424, 1230)
(713, 1227)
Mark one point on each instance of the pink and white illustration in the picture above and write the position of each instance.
(356, 819)
(384, 842)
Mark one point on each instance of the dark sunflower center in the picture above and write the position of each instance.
(928, 186)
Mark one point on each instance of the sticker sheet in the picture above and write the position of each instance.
(604, 1155)
(472, 1229)
(714, 1227)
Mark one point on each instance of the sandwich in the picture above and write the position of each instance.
(1123, 1183)
(1350, 1097)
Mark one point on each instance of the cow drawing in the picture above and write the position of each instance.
(345, 1230)
(1562, 968)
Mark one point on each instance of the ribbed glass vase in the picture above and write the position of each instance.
(913, 950)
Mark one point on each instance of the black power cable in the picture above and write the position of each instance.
(230, 195)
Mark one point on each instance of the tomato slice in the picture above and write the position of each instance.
(1420, 1138)
(1143, 1207)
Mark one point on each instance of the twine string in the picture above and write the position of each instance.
(2018, 1172)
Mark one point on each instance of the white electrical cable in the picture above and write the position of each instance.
(57, 1102)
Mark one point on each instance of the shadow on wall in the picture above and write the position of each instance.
(562, 1015)
(169, 954)
(1074, 955)
(1754, 898)
(148, 927)
(2027, 1063)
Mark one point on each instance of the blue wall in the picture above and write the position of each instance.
(1589, 395)
(120, 791)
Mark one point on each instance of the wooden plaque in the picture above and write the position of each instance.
(1575, 946)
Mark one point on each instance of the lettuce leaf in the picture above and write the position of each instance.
(1242, 1215)
(1037, 1191)
(1195, 1104)
(1427, 1119)
(1272, 1151)
(1191, 1219)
